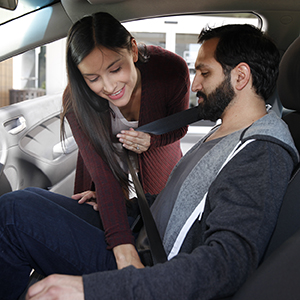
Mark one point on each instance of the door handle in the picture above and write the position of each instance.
(15, 125)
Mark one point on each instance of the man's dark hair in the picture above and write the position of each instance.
(246, 43)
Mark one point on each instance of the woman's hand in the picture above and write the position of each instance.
(135, 141)
(88, 197)
(126, 255)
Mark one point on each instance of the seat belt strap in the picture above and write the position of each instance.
(157, 249)
(158, 127)
(172, 122)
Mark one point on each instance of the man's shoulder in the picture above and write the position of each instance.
(269, 125)
(272, 128)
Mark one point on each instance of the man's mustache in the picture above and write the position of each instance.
(201, 95)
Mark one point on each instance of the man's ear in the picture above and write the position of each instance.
(242, 75)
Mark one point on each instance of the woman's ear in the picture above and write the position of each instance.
(135, 50)
(242, 73)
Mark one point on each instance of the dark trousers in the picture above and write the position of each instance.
(49, 233)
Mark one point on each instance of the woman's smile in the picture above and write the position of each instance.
(118, 95)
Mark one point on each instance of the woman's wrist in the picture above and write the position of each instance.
(127, 255)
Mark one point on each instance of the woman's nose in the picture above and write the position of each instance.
(108, 86)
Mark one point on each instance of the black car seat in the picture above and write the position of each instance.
(278, 276)
(289, 88)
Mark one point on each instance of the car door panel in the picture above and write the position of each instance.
(31, 152)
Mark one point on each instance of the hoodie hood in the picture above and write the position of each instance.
(272, 128)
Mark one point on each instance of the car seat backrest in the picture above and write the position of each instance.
(288, 86)
(289, 92)
(288, 221)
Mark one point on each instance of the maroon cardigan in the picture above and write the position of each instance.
(165, 91)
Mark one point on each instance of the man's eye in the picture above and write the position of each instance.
(204, 74)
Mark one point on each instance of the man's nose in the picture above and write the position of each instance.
(197, 83)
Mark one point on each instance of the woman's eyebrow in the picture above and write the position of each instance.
(114, 62)
(110, 65)
(87, 74)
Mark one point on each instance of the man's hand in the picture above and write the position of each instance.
(57, 287)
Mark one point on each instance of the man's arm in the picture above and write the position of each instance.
(244, 204)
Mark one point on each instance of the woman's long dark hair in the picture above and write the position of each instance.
(91, 110)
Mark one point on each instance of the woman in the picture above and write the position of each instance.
(115, 86)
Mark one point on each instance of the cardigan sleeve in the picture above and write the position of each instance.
(109, 195)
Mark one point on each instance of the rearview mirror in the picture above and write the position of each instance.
(9, 4)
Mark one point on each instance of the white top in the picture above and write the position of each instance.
(118, 123)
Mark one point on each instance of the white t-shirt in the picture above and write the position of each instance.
(118, 123)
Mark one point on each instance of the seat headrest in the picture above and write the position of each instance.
(289, 77)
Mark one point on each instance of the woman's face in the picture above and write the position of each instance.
(111, 75)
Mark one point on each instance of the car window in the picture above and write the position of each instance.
(42, 71)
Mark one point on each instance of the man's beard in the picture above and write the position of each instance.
(213, 105)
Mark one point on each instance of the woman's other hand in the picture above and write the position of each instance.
(88, 197)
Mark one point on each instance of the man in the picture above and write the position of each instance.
(220, 206)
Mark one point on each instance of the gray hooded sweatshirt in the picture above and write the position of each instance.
(244, 176)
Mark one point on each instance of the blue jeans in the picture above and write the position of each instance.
(49, 233)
